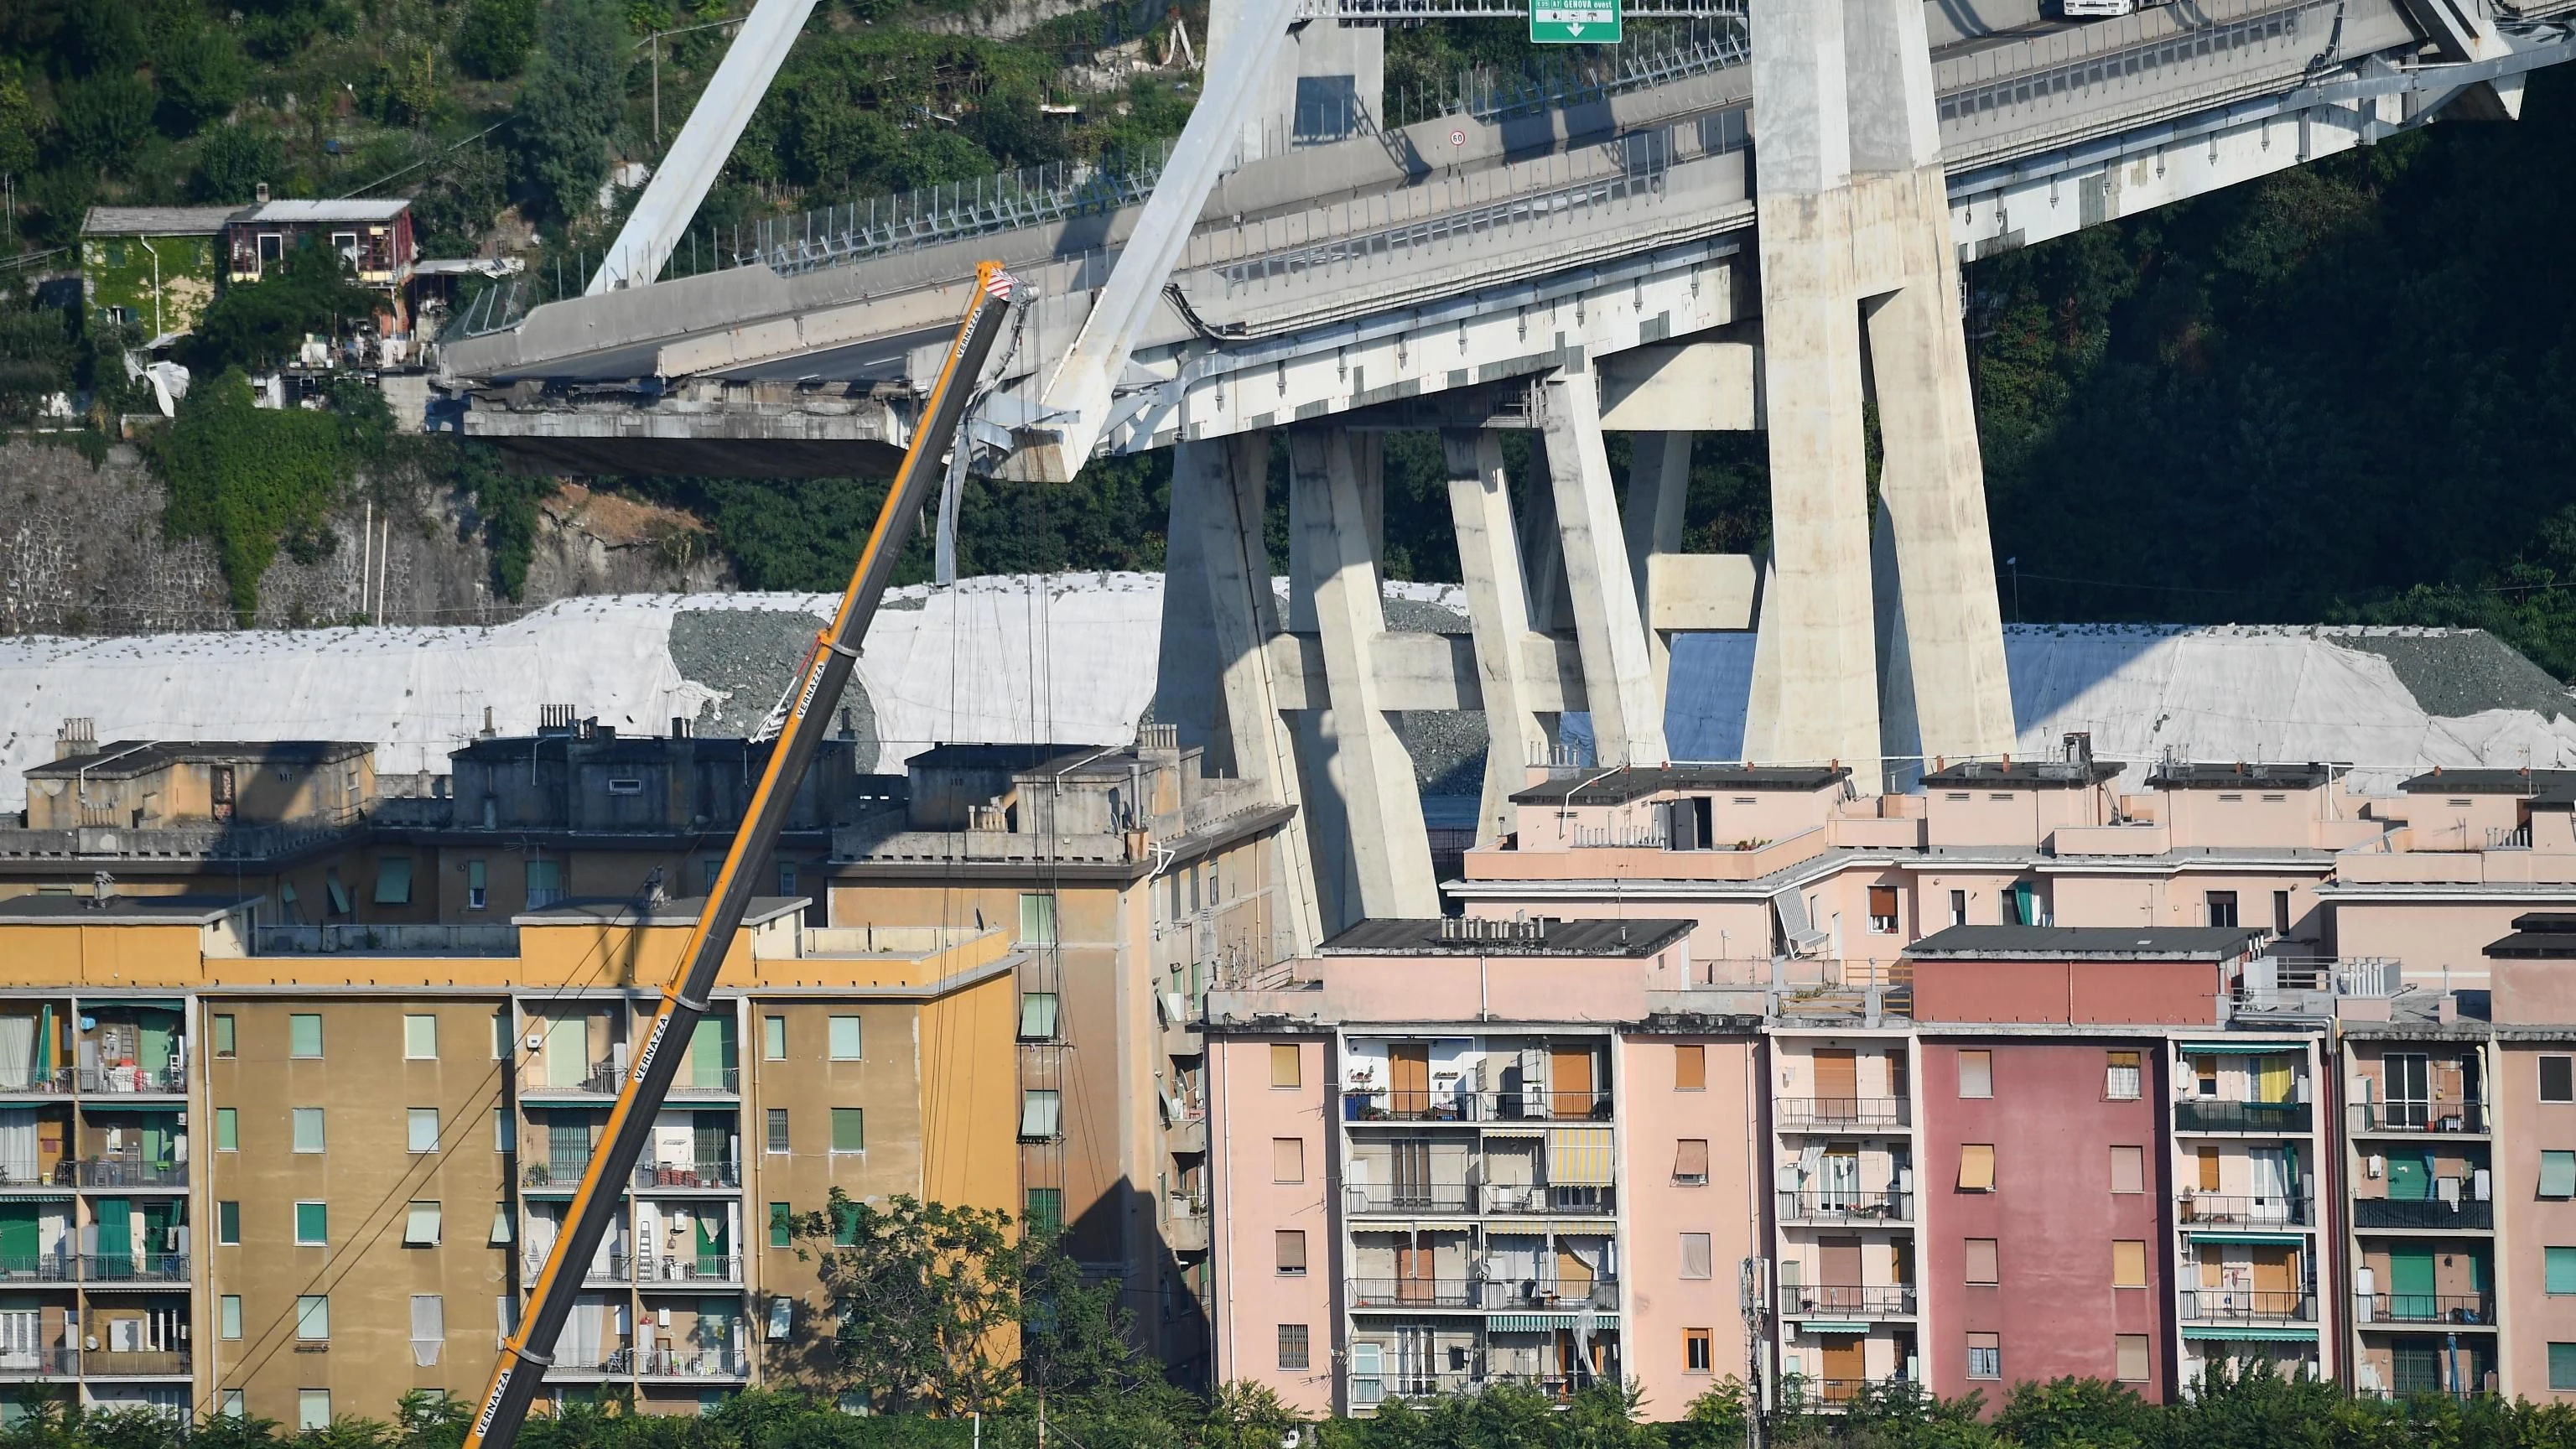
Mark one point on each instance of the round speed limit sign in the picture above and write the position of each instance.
(1457, 138)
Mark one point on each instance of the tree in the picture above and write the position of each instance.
(929, 1299)
(201, 75)
(261, 324)
(575, 95)
(493, 41)
(18, 122)
(105, 117)
(245, 478)
(234, 160)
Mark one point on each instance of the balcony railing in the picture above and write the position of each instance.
(677, 1175)
(1860, 1301)
(27, 1172)
(37, 1268)
(1829, 1206)
(2465, 1309)
(2247, 1305)
(684, 1268)
(2394, 1118)
(599, 1079)
(2429, 1213)
(1843, 1114)
(134, 1267)
(104, 1363)
(612, 1268)
(565, 1175)
(1505, 1198)
(723, 1083)
(131, 1172)
(596, 1361)
(1370, 1390)
(40, 1363)
(1553, 1295)
(1384, 1197)
(2199, 1209)
(1417, 1293)
(55, 1083)
(1365, 1102)
(693, 1363)
(2204, 1114)
(134, 1081)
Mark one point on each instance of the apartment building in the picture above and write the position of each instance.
(240, 1176)
(1454, 1153)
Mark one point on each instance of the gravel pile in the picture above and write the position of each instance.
(749, 655)
(2453, 672)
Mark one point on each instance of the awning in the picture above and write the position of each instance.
(2239, 1048)
(1578, 1156)
(1493, 1129)
(1833, 1328)
(1543, 1322)
(2254, 1332)
(2273, 1240)
(94, 1105)
(155, 1003)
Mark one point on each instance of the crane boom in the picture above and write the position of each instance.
(526, 1354)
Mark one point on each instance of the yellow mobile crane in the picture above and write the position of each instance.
(810, 699)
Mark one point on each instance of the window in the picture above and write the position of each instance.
(2129, 1263)
(1958, 908)
(1690, 1069)
(1292, 1346)
(773, 1038)
(1696, 1260)
(2221, 906)
(2280, 913)
(428, 1328)
(478, 886)
(1882, 910)
(229, 1405)
(1039, 1108)
(420, 1038)
(1289, 1247)
(2559, 1270)
(312, 1406)
(1690, 1162)
(782, 1225)
(224, 1035)
(501, 1235)
(1985, 1356)
(1037, 1016)
(393, 881)
(2558, 1079)
(421, 1224)
(228, 1316)
(1698, 1357)
(502, 1042)
(787, 877)
(1981, 1261)
(304, 1034)
(2562, 1365)
(312, 1223)
(2128, 1169)
(227, 1130)
(1976, 1167)
(845, 1226)
(421, 1125)
(1287, 1159)
(2129, 1352)
(713, 869)
(849, 1129)
(778, 1129)
(1043, 1210)
(782, 1318)
(845, 1039)
(545, 883)
(336, 893)
(313, 1316)
(1287, 1065)
(1037, 920)
(2558, 1174)
(1976, 1074)
(505, 1131)
(228, 1224)
(2204, 1075)
(2121, 1076)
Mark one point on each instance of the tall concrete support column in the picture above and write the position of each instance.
(1610, 634)
(1489, 560)
(1932, 480)
(1823, 704)
(1218, 491)
(1358, 761)
(1658, 488)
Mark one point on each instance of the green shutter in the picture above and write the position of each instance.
(115, 1219)
(782, 1226)
(2562, 1365)
(2558, 1174)
(19, 1245)
(2562, 1269)
(708, 1056)
(2410, 1179)
(160, 1030)
(2410, 1283)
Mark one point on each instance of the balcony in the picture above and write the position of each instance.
(685, 1271)
(2270, 1119)
(2200, 1210)
(598, 1079)
(596, 1363)
(1830, 1206)
(1417, 1293)
(2380, 1214)
(1503, 1199)
(1550, 1295)
(1843, 1114)
(2247, 1305)
(1367, 1102)
(56, 1083)
(1361, 1199)
(2459, 1310)
(557, 1176)
(688, 1176)
(724, 1082)
(38, 1268)
(26, 1172)
(130, 1172)
(145, 1364)
(612, 1268)
(133, 1082)
(39, 1363)
(1826, 1300)
(693, 1363)
(2409, 1119)
(142, 1268)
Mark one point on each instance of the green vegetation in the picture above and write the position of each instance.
(258, 325)
(247, 479)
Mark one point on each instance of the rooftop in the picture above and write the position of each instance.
(292, 211)
(2180, 775)
(2023, 774)
(1050, 759)
(127, 759)
(1618, 787)
(120, 910)
(156, 220)
(677, 911)
(2104, 943)
(2487, 782)
(1455, 936)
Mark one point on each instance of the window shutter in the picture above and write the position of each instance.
(1286, 1069)
(1696, 1260)
(1287, 1159)
(428, 1328)
(1976, 1074)
(1977, 1167)
(1292, 1251)
(2558, 1174)
(1982, 1261)
(1690, 1160)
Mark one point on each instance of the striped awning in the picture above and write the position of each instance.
(2269, 1240)
(1501, 1129)
(2253, 1332)
(1544, 1322)
(1578, 1156)
(2239, 1048)
(1835, 1328)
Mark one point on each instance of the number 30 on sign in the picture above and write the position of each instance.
(1574, 22)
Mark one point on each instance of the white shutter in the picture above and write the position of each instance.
(428, 1328)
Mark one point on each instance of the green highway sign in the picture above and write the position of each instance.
(1574, 22)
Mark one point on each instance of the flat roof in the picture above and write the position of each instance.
(1621, 785)
(2486, 782)
(676, 911)
(2538, 936)
(120, 910)
(2023, 774)
(156, 220)
(126, 759)
(1039, 759)
(1447, 936)
(607, 748)
(292, 211)
(2109, 943)
(2239, 776)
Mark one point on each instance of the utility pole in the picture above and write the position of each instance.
(655, 40)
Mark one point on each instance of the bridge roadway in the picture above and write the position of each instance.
(1429, 273)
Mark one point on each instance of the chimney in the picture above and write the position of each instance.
(75, 737)
(102, 890)
(488, 731)
(2079, 747)
(259, 193)
(679, 727)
